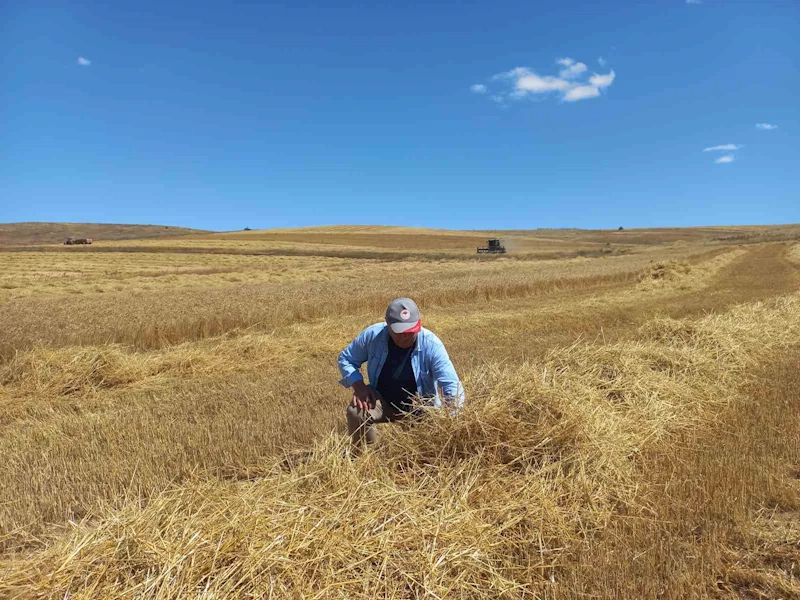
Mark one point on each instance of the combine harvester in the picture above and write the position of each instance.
(495, 247)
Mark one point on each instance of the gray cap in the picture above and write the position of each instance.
(403, 316)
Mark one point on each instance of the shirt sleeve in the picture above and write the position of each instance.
(352, 357)
(445, 376)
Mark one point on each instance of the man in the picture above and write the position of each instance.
(404, 361)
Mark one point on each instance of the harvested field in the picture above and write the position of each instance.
(172, 426)
(15, 234)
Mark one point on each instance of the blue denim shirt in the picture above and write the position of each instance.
(431, 364)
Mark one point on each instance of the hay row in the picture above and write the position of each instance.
(84, 370)
(794, 254)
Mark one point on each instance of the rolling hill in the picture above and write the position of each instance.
(18, 234)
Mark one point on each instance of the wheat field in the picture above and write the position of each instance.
(172, 426)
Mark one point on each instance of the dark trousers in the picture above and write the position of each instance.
(361, 423)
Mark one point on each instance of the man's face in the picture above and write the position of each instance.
(403, 340)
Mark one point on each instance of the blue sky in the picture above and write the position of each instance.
(222, 115)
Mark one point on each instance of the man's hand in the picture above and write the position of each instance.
(364, 397)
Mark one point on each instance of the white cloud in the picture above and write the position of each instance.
(601, 81)
(723, 147)
(531, 82)
(512, 74)
(602, 61)
(478, 88)
(694, 1)
(84, 62)
(766, 126)
(726, 158)
(573, 70)
(572, 83)
(581, 92)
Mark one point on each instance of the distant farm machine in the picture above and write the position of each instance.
(71, 241)
(495, 247)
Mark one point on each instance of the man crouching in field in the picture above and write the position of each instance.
(404, 361)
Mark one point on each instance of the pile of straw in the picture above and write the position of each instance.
(684, 274)
(489, 503)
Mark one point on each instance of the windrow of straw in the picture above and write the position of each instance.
(794, 254)
(488, 503)
(683, 273)
(83, 370)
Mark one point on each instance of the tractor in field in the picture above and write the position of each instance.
(495, 247)
(71, 241)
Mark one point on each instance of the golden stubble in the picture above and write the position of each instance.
(144, 429)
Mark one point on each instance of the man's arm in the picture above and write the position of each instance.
(352, 357)
(350, 361)
(445, 376)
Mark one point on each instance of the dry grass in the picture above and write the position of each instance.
(670, 235)
(719, 508)
(794, 254)
(71, 371)
(683, 274)
(119, 303)
(56, 233)
(653, 236)
(53, 393)
(492, 502)
(36, 274)
(147, 400)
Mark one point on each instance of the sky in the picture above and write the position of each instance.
(459, 115)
